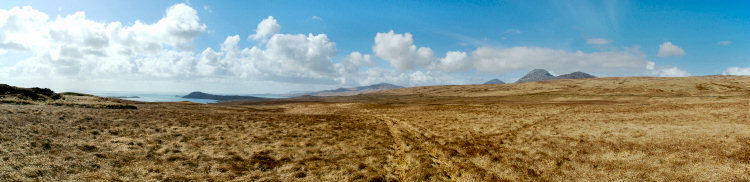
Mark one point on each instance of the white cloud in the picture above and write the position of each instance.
(297, 56)
(399, 50)
(20, 28)
(454, 61)
(355, 60)
(668, 71)
(736, 71)
(266, 28)
(724, 43)
(669, 49)
(74, 46)
(597, 41)
(284, 58)
(317, 18)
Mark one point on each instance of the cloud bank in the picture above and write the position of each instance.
(736, 71)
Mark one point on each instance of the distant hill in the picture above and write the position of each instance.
(575, 75)
(356, 90)
(541, 75)
(201, 95)
(536, 75)
(494, 81)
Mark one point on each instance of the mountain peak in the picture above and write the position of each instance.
(536, 75)
(575, 75)
(494, 81)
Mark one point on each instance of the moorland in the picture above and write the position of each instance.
(597, 129)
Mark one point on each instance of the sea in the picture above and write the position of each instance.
(166, 97)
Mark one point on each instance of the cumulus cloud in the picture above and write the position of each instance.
(724, 43)
(669, 49)
(266, 28)
(297, 56)
(668, 71)
(453, 61)
(74, 46)
(20, 28)
(355, 60)
(399, 50)
(597, 41)
(736, 71)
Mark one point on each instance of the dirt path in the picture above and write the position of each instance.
(419, 157)
(417, 149)
(398, 162)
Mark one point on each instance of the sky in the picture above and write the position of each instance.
(249, 47)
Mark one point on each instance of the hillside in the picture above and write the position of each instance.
(536, 75)
(201, 95)
(575, 75)
(542, 75)
(494, 81)
(356, 90)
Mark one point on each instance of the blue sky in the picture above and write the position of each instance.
(490, 39)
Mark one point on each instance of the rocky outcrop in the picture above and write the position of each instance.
(35, 93)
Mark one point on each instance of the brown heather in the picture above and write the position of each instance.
(603, 129)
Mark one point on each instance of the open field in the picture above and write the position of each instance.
(604, 129)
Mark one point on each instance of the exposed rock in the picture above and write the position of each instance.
(35, 93)
(536, 75)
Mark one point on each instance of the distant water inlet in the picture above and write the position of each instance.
(146, 97)
(154, 97)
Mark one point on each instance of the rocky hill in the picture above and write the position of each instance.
(536, 75)
(494, 81)
(201, 95)
(541, 75)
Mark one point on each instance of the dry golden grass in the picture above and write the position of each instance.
(606, 129)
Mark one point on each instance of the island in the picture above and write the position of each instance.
(201, 95)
